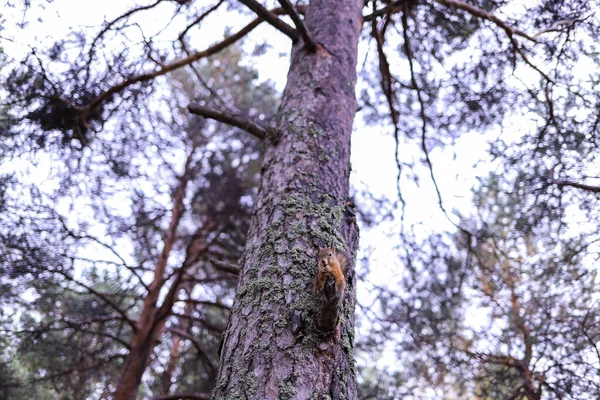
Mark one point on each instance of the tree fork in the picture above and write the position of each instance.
(272, 348)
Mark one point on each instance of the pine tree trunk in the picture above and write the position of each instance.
(272, 349)
(184, 324)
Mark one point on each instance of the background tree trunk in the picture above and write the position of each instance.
(272, 349)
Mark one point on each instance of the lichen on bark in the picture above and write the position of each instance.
(272, 349)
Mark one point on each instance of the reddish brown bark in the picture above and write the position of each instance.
(167, 376)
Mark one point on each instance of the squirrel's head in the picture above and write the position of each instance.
(325, 253)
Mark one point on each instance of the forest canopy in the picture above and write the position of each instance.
(169, 170)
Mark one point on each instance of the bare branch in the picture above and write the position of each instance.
(582, 186)
(174, 65)
(99, 242)
(185, 335)
(199, 19)
(415, 84)
(478, 12)
(271, 18)
(183, 396)
(234, 120)
(225, 267)
(109, 25)
(102, 296)
(179, 63)
(511, 32)
(585, 331)
(389, 9)
(388, 91)
(300, 27)
(79, 327)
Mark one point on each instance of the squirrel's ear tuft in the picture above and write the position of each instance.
(332, 246)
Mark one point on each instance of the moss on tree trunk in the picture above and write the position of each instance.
(272, 349)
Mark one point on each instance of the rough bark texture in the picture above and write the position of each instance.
(272, 349)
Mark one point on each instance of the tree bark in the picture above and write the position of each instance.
(184, 324)
(272, 349)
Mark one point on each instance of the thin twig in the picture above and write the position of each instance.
(199, 19)
(511, 32)
(107, 28)
(417, 88)
(478, 12)
(104, 297)
(99, 242)
(388, 91)
(176, 64)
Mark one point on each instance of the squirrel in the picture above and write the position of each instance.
(332, 263)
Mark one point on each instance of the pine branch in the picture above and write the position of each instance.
(300, 27)
(238, 121)
(214, 49)
(389, 9)
(582, 186)
(225, 267)
(183, 396)
(271, 18)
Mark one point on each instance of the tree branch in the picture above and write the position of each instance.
(199, 19)
(582, 186)
(185, 335)
(417, 88)
(511, 32)
(238, 121)
(102, 296)
(225, 267)
(478, 12)
(108, 27)
(415, 84)
(99, 242)
(182, 396)
(271, 18)
(388, 90)
(389, 9)
(176, 64)
(300, 27)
